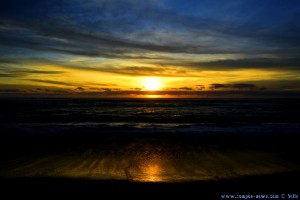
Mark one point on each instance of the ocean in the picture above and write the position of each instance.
(201, 116)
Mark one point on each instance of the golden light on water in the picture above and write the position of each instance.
(153, 96)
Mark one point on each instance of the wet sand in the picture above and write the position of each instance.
(150, 163)
(160, 162)
(273, 184)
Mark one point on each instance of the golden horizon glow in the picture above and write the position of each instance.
(152, 84)
(57, 80)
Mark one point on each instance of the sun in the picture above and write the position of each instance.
(152, 84)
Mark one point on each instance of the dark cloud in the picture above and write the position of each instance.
(6, 61)
(179, 89)
(236, 64)
(80, 42)
(10, 90)
(43, 89)
(119, 69)
(136, 89)
(93, 29)
(8, 75)
(185, 88)
(200, 87)
(106, 89)
(218, 86)
(243, 86)
(80, 89)
(255, 63)
(240, 86)
(37, 72)
(15, 72)
(291, 87)
(104, 84)
(135, 69)
(146, 71)
(50, 82)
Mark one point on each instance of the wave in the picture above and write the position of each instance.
(142, 128)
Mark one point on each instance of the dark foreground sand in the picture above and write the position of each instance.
(147, 165)
(275, 184)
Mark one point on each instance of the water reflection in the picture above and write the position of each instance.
(151, 172)
(153, 96)
(146, 162)
(151, 161)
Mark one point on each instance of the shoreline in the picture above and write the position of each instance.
(281, 183)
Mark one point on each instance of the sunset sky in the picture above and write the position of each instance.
(159, 48)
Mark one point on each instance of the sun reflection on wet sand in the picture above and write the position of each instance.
(152, 173)
(143, 161)
(146, 163)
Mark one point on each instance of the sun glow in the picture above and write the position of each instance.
(152, 84)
